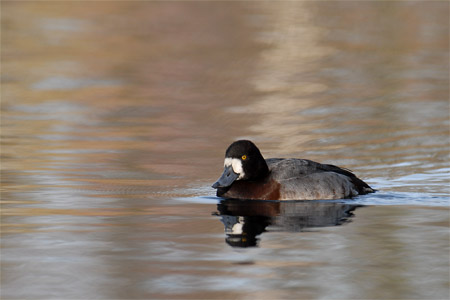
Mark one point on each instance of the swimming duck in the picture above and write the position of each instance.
(247, 175)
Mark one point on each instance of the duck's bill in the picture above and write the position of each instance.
(227, 178)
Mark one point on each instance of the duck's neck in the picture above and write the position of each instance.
(260, 170)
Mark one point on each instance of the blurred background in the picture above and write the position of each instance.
(115, 117)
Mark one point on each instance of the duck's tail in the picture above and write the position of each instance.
(362, 187)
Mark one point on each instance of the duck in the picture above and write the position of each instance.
(247, 175)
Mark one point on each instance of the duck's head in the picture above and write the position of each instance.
(243, 161)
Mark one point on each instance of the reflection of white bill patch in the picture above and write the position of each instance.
(236, 164)
(237, 228)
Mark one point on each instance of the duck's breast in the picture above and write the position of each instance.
(268, 189)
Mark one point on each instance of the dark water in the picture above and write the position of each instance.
(115, 117)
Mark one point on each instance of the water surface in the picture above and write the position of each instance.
(115, 117)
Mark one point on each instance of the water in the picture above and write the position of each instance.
(116, 116)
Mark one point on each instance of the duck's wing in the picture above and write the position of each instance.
(285, 169)
(361, 186)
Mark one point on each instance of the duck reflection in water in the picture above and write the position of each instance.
(244, 220)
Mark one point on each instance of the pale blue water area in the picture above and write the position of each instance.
(63, 83)
(115, 117)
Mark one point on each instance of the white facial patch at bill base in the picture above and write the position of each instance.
(236, 164)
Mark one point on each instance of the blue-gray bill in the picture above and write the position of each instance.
(226, 179)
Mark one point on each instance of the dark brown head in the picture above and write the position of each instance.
(243, 161)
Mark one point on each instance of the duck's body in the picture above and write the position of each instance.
(248, 175)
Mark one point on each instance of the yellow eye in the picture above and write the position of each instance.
(244, 157)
